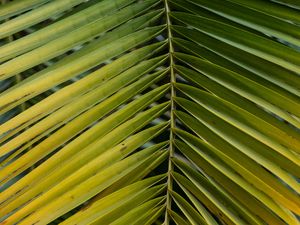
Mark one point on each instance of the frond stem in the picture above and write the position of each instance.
(172, 117)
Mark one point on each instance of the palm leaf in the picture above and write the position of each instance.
(149, 112)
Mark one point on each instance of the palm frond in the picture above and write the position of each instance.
(150, 112)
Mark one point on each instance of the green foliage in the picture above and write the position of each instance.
(149, 112)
